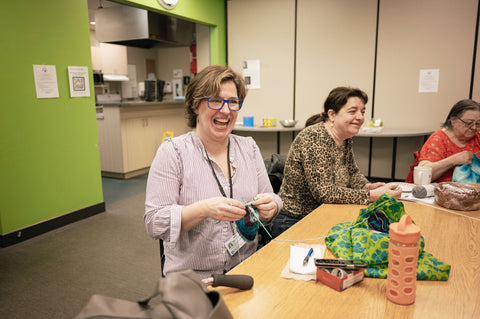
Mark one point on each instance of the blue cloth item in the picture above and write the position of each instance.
(468, 173)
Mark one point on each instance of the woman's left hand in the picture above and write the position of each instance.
(266, 206)
(371, 186)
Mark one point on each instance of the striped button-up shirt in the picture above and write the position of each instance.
(181, 175)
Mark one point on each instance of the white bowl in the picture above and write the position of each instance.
(288, 123)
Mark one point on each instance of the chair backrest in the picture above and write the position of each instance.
(275, 166)
(162, 256)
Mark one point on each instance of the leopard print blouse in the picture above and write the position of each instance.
(319, 171)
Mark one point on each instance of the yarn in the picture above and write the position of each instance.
(248, 225)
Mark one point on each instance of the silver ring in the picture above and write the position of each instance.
(230, 208)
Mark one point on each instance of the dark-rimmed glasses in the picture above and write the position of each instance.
(470, 124)
(216, 103)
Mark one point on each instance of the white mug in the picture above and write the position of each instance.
(422, 175)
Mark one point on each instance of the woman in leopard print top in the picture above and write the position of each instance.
(320, 166)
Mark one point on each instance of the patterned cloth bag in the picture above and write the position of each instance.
(367, 239)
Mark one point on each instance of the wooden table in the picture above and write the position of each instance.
(453, 239)
(395, 134)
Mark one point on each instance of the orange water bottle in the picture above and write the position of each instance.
(402, 261)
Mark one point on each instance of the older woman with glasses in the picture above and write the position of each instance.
(199, 182)
(454, 143)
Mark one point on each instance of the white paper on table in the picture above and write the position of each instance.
(298, 254)
(410, 197)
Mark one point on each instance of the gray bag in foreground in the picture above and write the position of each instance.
(183, 295)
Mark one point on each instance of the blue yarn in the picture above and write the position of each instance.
(468, 173)
(247, 232)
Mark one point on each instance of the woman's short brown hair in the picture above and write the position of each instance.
(336, 99)
(208, 83)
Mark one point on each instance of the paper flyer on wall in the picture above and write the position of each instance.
(251, 73)
(46, 85)
(428, 82)
(78, 78)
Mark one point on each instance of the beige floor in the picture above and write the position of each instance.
(54, 275)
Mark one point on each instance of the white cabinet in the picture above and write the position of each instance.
(129, 135)
(138, 146)
(110, 58)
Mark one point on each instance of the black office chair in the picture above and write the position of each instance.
(275, 165)
(162, 256)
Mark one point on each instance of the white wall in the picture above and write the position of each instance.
(423, 34)
(262, 30)
(335, 45)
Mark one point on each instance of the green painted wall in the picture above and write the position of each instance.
(208, 12)
(49, 159)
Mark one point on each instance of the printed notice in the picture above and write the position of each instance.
(251, 73)
(78, 77)
(428, 81)
(46, 84)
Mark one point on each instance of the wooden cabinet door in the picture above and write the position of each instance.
(137, 144)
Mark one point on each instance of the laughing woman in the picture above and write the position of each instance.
(320, 166)
(198, 182)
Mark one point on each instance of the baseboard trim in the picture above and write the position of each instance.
(23, 234)
(127, 175)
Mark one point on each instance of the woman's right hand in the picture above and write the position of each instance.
(218, 208)
(392, 189)
(460, 158)
(225, 209)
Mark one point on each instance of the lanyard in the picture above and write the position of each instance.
(229, 172)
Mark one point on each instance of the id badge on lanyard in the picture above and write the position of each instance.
(235, 243)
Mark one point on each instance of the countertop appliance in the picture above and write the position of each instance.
(97, 77)
(107, 99)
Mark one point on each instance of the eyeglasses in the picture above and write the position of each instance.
(470, 124)
(216, 103)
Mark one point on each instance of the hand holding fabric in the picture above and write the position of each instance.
(463, 157)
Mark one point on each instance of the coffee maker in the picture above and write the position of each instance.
(154, 90)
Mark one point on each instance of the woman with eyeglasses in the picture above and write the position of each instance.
(199, 182)
(454, 143)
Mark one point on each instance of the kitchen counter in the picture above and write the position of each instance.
(142, 103)
(130, 132)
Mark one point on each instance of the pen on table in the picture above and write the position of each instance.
(305, 261)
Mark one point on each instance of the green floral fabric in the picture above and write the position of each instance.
(367, 239)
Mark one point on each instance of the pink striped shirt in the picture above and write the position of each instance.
(180, 175)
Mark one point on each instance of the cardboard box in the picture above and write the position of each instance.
(339, 284)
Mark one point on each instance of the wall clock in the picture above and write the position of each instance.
(168, 4)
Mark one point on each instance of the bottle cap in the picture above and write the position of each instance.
(405, 231)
